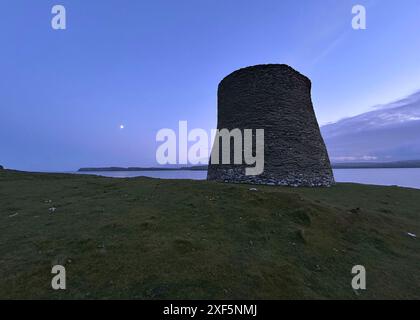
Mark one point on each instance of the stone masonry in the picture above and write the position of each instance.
(276, 98)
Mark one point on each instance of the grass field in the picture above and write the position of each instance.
(153, 239)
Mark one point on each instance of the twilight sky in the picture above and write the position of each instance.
(149, 64)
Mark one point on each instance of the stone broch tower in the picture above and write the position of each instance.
(275, 98)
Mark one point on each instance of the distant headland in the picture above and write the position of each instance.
(199, 168)
(377, 165)
(342, 165)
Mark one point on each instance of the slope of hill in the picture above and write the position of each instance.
(388, 133)
(179, 239)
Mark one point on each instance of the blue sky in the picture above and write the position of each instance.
(149, 64)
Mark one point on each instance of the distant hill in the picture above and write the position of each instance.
(340, 165)
(367, 165)
(389, 133)
(193, 168)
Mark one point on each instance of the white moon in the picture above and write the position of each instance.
(121, 126)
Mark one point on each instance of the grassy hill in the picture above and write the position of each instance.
(152, 239)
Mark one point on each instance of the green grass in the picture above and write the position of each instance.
(180, 239)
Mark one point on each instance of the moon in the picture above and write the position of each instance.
(121, 126)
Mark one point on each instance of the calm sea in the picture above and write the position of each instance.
(406, 177)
